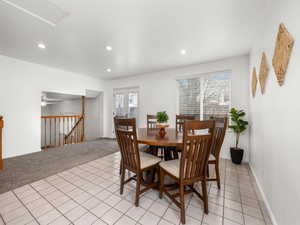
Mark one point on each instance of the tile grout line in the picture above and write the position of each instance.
(225, 176)
(25, 207)
(146, 210)
(259, 202)
(52, 206)
(85, 169)
(99, 199)
(238, 176)
(79, 204)
(1, 218)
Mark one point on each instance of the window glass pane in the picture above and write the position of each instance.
(206, 96)
(133, 104)
(119, 104)
(216, 96)
(119, 101)
(126, 102)
(133, 99)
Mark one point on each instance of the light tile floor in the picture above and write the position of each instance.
(89, 194)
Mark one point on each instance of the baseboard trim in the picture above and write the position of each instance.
(264, 197)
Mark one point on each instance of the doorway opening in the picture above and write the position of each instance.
(69, 119)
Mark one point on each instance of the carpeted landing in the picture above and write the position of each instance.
(26, 169)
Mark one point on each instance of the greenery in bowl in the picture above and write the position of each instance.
(239, 125)
(162, 117)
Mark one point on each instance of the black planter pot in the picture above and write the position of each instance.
(236, 155)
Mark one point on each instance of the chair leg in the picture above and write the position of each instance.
(161, 183)
(153, 173)
(175, 154)
(205, 198)
(182, 208)
(120, 172)
(207, 171)
(122, 180)
(138, 188)
(218, 174)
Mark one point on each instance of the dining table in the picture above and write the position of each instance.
(168, 143)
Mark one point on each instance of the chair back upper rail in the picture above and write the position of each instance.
(125, 130)
(180, 120)
(218, 139)
(151, 121)
(196, 149)
(1, 127)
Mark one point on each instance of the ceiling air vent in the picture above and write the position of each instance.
(44, 11)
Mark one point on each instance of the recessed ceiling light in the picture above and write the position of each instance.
(108, 70)
(108, 48)
(41, 46)
(182, 51)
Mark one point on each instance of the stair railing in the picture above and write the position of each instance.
(60, 130)
(76, 134)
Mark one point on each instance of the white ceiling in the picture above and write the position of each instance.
(146, 35)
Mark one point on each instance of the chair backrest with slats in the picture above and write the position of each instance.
(196, 149)
(180, 120)
(151, 121)
(218, 139)
(127, 139)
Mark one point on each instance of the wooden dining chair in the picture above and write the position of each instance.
(192, 165)
(180, 120)
(218, 139)
(179, 129)
(132, 159)
(151, 124)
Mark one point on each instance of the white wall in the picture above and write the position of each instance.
(275, 119)
(158, 91)
(92, 121)
(21, 84)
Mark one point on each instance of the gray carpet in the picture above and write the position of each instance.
(26, 169)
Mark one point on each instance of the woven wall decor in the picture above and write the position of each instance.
(263, 72)
(282, 53)
(254, 82)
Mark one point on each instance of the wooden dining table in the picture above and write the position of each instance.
(168, 143)
(150, 136)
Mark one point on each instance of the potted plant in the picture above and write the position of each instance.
(239, 125)
(162, 119)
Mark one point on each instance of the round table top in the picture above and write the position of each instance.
(150, 136)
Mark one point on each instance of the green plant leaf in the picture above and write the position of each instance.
(239, 125)
(162, 117)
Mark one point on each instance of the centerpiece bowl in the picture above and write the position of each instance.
(162, 129)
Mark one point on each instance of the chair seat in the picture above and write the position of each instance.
(148, 160)
(212, 157)
(171, 166)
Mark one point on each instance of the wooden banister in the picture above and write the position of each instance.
(53, 117)
(61, 130)
(76, 135)
(1, 127)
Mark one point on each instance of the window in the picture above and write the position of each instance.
(126, 102)
(205, 96)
